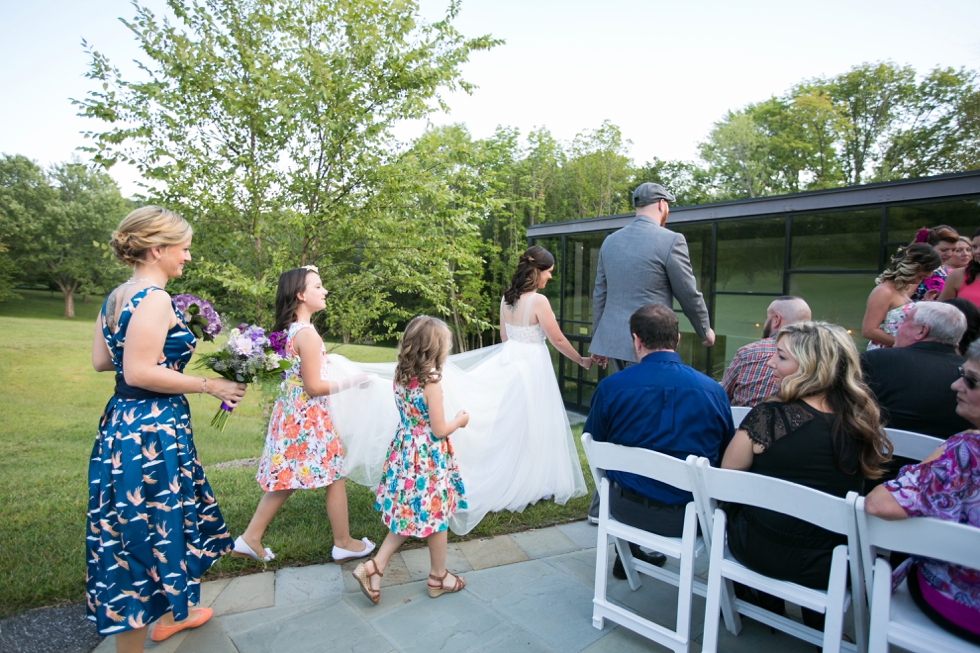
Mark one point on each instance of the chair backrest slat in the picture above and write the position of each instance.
(824, 510)
(651, 464)
(923, 536)
(739, 413)
(909, 444)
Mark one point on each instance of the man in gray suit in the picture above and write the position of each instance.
(642, 263)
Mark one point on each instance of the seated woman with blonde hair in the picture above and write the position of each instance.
(822, 430)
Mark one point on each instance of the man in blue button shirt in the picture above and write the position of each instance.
(663, 405)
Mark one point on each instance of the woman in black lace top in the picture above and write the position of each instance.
(820, 430)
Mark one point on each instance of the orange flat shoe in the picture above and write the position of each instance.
(161, 632)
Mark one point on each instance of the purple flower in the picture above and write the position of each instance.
(199, 315)
(277, 340)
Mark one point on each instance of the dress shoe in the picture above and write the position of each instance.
(655, 559)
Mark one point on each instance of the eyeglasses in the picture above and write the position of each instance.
(971, 383)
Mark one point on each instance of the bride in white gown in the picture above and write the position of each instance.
(518, 447)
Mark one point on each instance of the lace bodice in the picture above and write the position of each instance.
(532, 334)
(517, 320)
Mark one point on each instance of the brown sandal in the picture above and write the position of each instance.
(434, 592)
(363, 577)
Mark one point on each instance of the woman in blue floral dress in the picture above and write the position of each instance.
(153, 524)
(420, 485)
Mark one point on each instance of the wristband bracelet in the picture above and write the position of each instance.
(204, 385)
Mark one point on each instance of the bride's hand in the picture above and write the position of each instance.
(463, 417)
(585, 362)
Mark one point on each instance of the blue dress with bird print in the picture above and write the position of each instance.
(153, 525)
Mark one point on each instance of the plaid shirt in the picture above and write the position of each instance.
(748, 380)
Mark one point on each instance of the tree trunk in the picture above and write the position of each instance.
(69, 292)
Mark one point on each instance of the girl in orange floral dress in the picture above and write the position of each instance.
(302, 451)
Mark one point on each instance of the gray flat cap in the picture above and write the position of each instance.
(649, 192)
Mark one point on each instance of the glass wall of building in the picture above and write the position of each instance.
(830, 258)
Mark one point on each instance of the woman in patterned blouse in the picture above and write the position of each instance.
(945, 485)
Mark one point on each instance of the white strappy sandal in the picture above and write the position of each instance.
(243, 550)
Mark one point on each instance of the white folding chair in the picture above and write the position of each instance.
(826, 511)
(895, 618)
(602, 457)
(909, 444)
(739, 413)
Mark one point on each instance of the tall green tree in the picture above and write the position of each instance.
(873, 98)
(268, 124)
(53, 222)
(737, 152)
(937, 129)
(690, 183)
(597, 169)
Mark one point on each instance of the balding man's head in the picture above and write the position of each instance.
(784, 311)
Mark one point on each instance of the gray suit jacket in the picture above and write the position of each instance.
(641, 264)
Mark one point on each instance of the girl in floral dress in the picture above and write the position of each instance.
(302, 451)
(420, 485)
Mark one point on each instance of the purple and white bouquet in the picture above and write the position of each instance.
(199, 315)
(249, 356)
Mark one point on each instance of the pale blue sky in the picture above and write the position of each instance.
(662, 71)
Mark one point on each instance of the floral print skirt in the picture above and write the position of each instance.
(301, 451)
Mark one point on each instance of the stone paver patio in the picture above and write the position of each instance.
(528, 591)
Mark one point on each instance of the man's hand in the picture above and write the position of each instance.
(601, 361)
(709, 338)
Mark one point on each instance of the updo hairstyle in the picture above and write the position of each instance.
(422, 351)
(908, 263)
(146, 227)
(532, 262)
(940, 234)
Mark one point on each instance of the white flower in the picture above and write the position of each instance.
(241, 344)
(272, 361)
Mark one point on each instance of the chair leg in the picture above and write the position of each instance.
(601, 569)
(881, 599)
(686, 576)
(733, 622)
(626, 557)
(836, 589)
(715, 586)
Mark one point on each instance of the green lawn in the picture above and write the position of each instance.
(50, 404)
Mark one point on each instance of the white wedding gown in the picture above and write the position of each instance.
(518, 446)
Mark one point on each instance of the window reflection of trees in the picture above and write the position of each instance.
(835, 241)
(750, 255)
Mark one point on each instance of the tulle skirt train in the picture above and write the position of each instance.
(517, 449)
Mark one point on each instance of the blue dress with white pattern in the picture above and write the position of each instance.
(153, 524)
